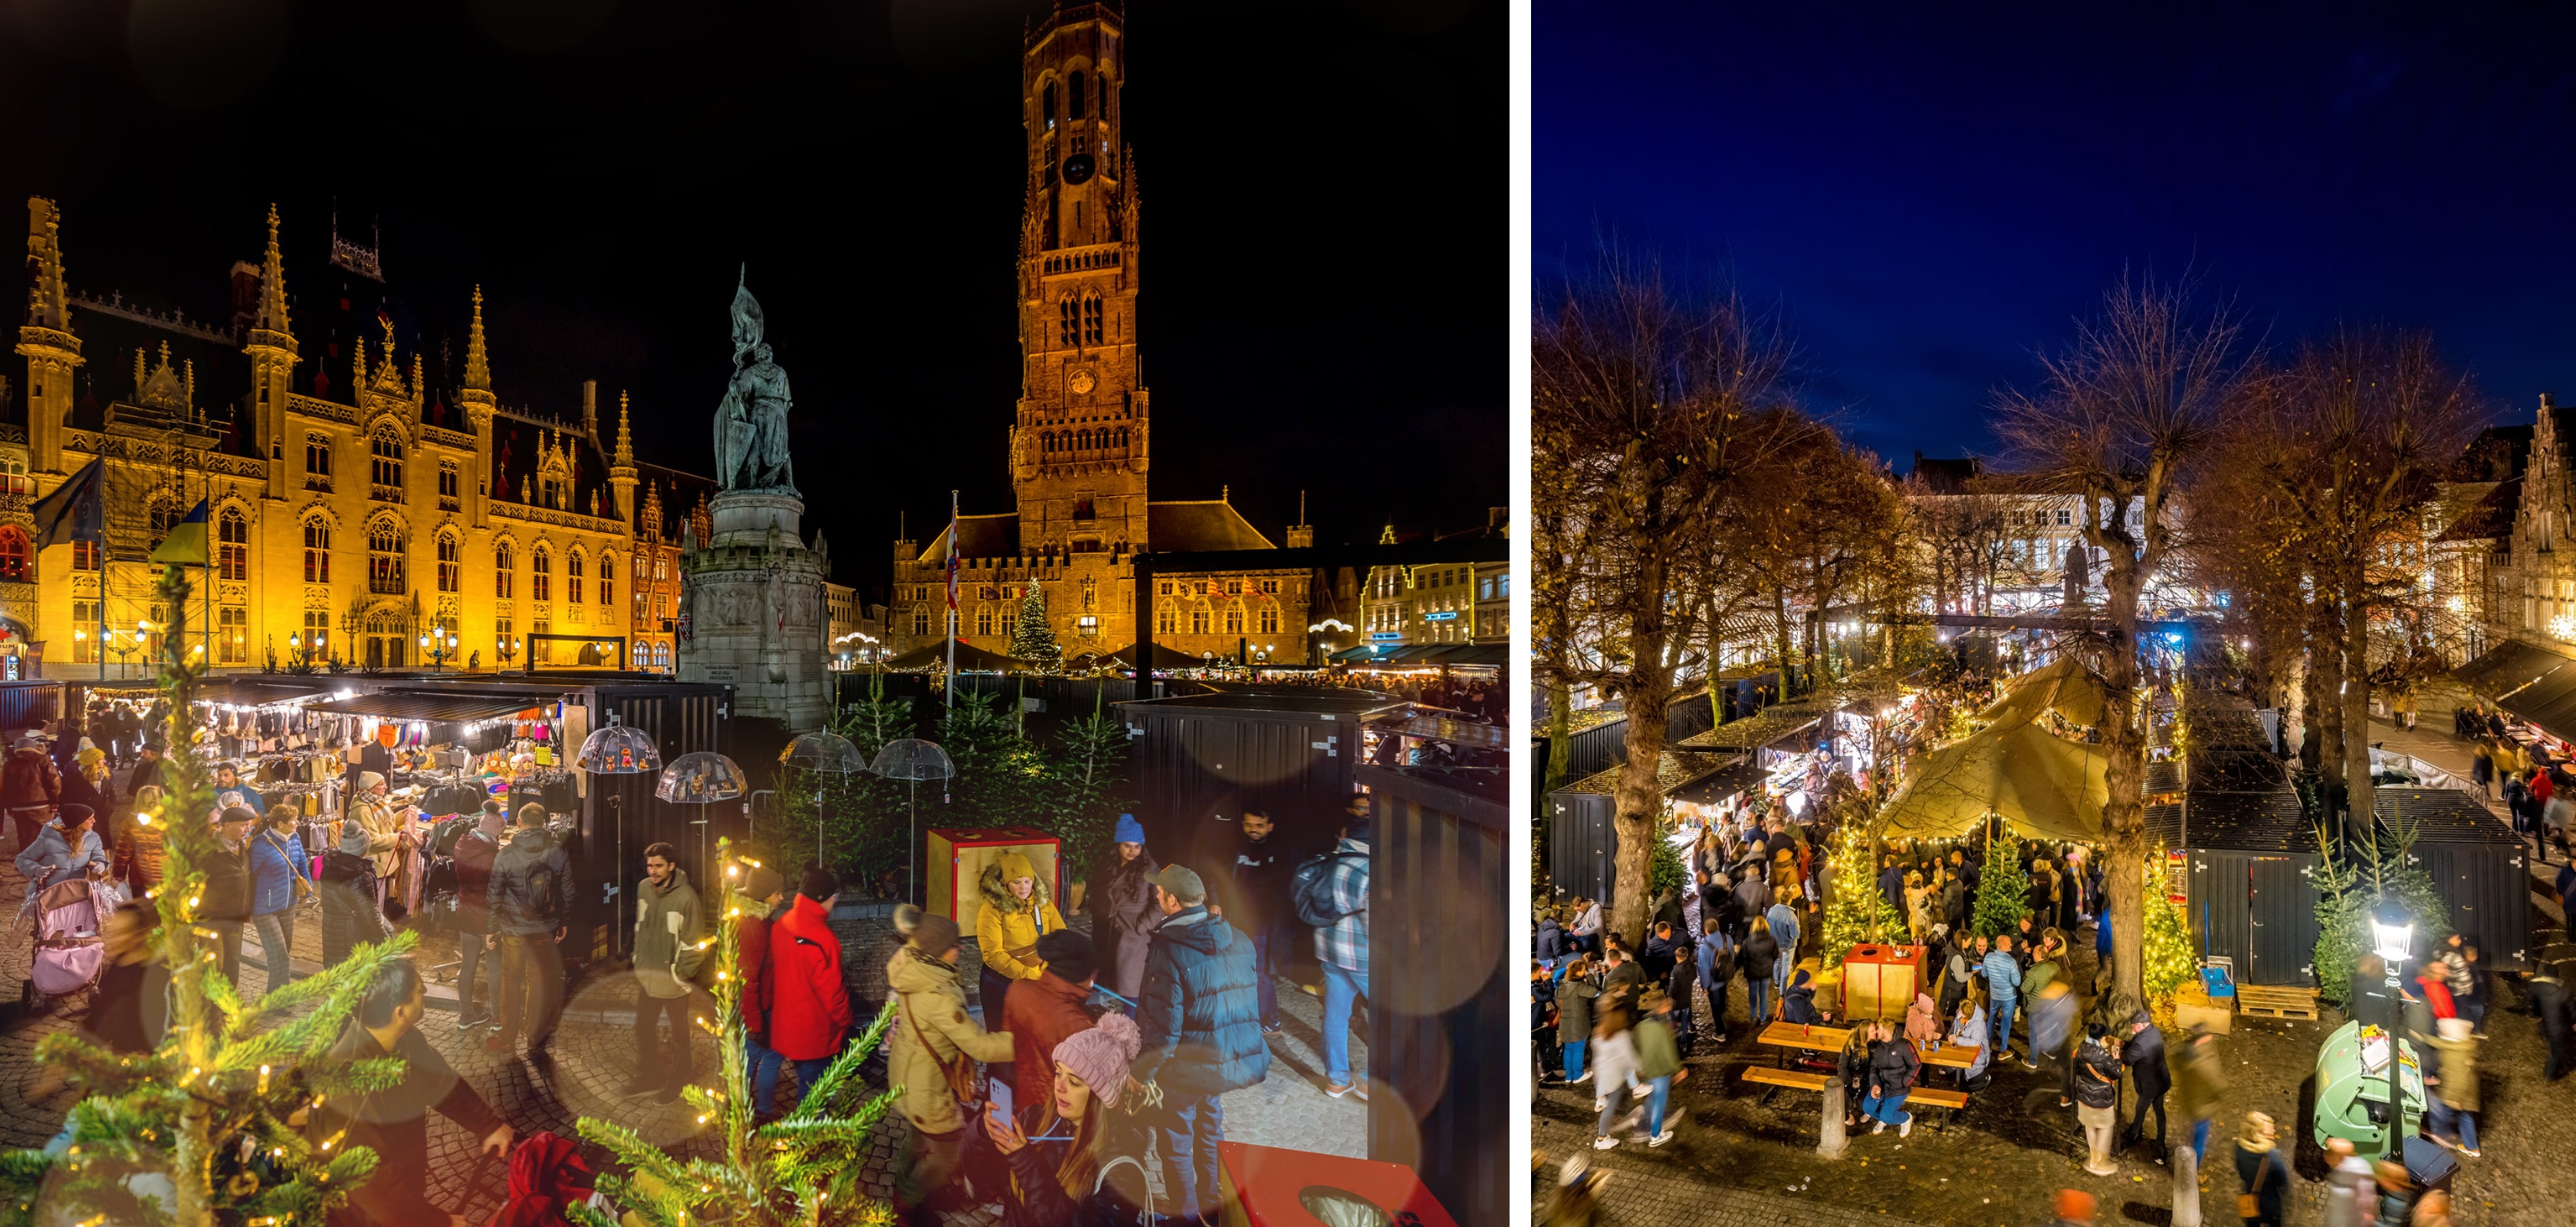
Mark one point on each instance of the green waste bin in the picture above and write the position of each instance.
(2352, 1088)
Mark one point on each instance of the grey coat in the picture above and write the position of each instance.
(1123, 916)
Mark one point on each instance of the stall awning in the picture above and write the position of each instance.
(2066, 686)
(260, 694)
(432, 706)
(2046, 786)
(970, 659)
(2508, 667)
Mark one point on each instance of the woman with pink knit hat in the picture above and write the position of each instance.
(1065, 1170)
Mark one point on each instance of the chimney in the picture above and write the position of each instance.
(1498, 518)
(590, 410)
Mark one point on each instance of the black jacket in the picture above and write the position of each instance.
(1256, 895)
(509, 910)
(2097, 1076)
(1892, 1067)
(349, 915)
(1757, 955)
(2144, 1054)
(227, 892)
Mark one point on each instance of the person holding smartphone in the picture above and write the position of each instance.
(1067, 1167)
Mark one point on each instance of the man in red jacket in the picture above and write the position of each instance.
(751, 941)
(1044, 1012)
(809, 1004)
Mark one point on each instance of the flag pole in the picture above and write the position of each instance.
(952, 598)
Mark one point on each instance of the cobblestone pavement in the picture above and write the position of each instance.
(593, 1056)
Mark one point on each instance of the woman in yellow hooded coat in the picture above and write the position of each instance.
(1015, 914)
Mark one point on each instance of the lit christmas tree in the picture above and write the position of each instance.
(2003, 890)
(206, 1129)
(804, 1170)
(1032, 639)
(1854, 912)
(2167, 960)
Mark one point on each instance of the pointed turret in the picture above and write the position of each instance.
(621, 466)
(478, 366)
(272, 286)
(476, 399)
(46, 339)
(270, 344)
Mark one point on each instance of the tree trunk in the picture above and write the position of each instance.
(1786, 649)
(2356, 700)
(1640, 802)
(1560, 734)
(2124, 817)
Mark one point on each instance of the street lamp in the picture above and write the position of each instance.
(2392, 936)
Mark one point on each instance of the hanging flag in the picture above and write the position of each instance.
(186, 544)
(76, 510)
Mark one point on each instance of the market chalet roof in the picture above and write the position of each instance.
(1172, 527)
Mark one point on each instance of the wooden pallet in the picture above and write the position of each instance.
(2273, 1001)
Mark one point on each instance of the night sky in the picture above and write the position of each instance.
(1324, 219)
(1931, 198)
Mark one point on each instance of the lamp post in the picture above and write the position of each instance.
(2392, 936)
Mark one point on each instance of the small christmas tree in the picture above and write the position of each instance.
(1854, 910)
(2167, 959)
(801, 1171)
(1032, 639)
(217, 1109)
(2003, 890)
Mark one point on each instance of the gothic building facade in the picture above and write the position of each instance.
(369, 497)
(1080, 443)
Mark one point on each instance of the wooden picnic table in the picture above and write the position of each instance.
(1803, 1037)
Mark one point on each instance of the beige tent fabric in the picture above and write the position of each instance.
(2047, 787)
(2066, 685)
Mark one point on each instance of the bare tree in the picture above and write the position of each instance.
(1648, 410)
(2118, 419)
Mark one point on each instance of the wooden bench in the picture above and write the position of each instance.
(1776, 1078)
(1948, 1101)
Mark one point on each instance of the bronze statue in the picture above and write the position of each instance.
(751, 424)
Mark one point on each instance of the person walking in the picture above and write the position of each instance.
(2200, 1080)
(1014, 915)
(2260, 1171)
(393, 1121)
(1122, 910)
(1784, 930)
(1574, 998)
(147, 768)
(2003, 992)
(1759, 958)
(281, 875)
(225, 902)
(936, 1045)
(30, 787)
(2097, 1098)
(2549, 1004)
(751, 929)
(1716, 958)
(528, 908)
(1659, 1066)
(1044, 1012)
(2144, 1053)
(1338, 904)
(2482, 766)
(473, 855)
(349, 915)
(1257, 903)
(809, 998)
(2052, 1044)
(2455, 1091)
(1200, 1018)
(1614, 1047)
(670, 924)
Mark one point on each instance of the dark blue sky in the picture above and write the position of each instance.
(1930, 198)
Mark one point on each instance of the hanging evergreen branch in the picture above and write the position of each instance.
(801, 1171)
(217, 1110)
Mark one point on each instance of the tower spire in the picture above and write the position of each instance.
(625, 453)
(478, 368)
(621, 467)
(272, 284)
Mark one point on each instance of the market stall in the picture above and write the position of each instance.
(2044, 786)
(1583, 839)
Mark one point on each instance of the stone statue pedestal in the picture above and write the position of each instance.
(755, 604)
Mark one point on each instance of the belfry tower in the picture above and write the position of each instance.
(1078, 445)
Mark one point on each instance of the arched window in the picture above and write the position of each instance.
(1234, 620)
(1092, 326)
(1046, 441)
(1073, 96)
(1199, 620)
(232, 543)
(572, 577)
(317, 551)
(541, 578)
(164, 516)
(451, 564)
(608, 579)
(503, 572)
(1046, 105)
(385, 460)
(1064, 320)
(983, 619)
(1085, 443)
(385, 558)
(14, 555)
(921, 619)
(1122, 436)
(661, 656)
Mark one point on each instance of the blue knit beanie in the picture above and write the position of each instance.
(1129, 830)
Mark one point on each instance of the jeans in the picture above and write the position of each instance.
(762, 1064)
(1714, 984)
(2455, 1122)
(1341, 987)
(475, 961)
(1195, 1124)
(1888, 1109)
(1614, 1104)
(1757, 1002)
(2200, 1141)
(1658, 1093)
(2003, 1020)
(661, 1064)
(276, 944)
(1266, 977)
(531, 988)
(1574, 1059)
(811, 1071)
(2475, 1010)
(2150, 1099)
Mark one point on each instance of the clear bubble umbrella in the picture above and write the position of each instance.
(619, 749)
(912, 760)
(702, 779)
(829, 753)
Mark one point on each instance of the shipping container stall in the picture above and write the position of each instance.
(1440, 983)
(27, 704)
(2250, 896)
(1202, 758)
(2477, 863)
(1605, 745)
(1582, 840)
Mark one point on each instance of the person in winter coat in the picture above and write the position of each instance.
(1574, 998)
(2200, 1080)
(2144, 1053)
(277, 864)
(1659, 1066)
(1256, 901)
(2260, 1169)
(767, 893)
(936, 1045)
(65, 847)
(1122, 910)
(809, 999)
(2052, 1042)
(388, 830)
(1922, 1024)
(229, 790)
(224, 904)
(2455, 1092)
(1798, 1001)
(1893, 1067)
(2549, 1003)
(670, 944)
(1663, 947)
(528, 909)
(1046, 1011)
(1968, 1030)
(348, 885)
(474, 853)
(132, 1006)
(1342, 947)
(1200, 1017)
(1614, 1049)
(1007, 928)
(1546, 945)
(87, 784)
(393, 1121)
(30, 787)
(1784, 930)
(2003, 992)
(1759, 957)
(1585, 934)
(1716, 957)
(2097, 1098)
(1061, 1146)
(147, 768)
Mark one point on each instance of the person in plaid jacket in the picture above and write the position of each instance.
(1343, 946)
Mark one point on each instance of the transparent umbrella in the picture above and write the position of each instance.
(912, 760)
(702, 778)
(830, 753)
(619, 749)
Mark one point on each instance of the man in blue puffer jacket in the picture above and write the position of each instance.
(1200, 1013)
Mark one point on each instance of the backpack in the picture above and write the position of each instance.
(1310, 889)
(541, 889)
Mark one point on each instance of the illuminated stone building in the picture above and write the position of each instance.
(368, 491)
(1080, 442)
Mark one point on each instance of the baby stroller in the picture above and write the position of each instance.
(70, 953)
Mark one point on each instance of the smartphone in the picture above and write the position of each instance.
(1000, 1093)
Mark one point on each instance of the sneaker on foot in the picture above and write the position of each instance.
(1585, 1076)
(1338, 1089)
(1604, 1143)
(1879, 1128)
(1660, 1138)
(2470, 1151)
(1905, 1126)
(471, 1021)
(1360, 1090)
(1271, 1028)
